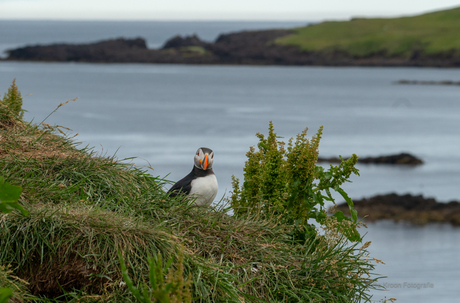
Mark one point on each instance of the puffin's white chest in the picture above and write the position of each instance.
(204, 189)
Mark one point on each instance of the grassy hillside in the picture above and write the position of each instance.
(85, 208)
(431, 33)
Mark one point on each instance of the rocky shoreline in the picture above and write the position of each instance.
(417, 82)
(246, 47)
(407, 208)
(399, 159)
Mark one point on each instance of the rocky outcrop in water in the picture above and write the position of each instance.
(419, 82)
(246, 47)
(403, 158)
(406, 208)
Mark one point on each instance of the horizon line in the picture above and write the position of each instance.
(311, 17)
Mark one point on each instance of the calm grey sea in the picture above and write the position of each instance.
(163, 113)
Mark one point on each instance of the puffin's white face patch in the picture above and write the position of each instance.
(200, 158)
(204, 189)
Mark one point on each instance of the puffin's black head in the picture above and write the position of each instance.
(204, 158)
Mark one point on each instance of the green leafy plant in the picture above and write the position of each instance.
(11, 286)
(173, 289)
(11, 105)
(5, 294)
(286, 183)
(9, 195)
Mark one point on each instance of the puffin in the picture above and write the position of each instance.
(201, 183)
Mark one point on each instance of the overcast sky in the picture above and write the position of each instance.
(214, 9)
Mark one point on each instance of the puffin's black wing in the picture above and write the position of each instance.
(183, 186)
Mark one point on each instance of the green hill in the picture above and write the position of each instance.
(87, 212)
(431, 33)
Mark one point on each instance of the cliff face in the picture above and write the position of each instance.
(247, 47)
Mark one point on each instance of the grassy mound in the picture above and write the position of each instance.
(85, 208)
(432, 33)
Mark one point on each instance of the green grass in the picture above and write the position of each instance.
(84, 208)
(431, 33)
(199, 50)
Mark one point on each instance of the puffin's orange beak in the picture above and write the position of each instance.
(205, 166)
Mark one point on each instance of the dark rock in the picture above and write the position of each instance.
(104, 51)
(403, 158)
(417, 82)
(252, 47)
(408, 208)
(110, 51)
(178, 42)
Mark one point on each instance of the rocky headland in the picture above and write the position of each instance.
(236, 48)
(406, 208)
(246, 47)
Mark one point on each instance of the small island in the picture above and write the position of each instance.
(426, 40)
(430, 82)
(398, 159)
(405, 208)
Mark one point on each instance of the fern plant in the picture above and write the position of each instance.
(286, 184)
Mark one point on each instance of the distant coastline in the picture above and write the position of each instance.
(429, 40)
(241, 48)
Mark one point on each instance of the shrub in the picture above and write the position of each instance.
(287, 184)
(11, 105)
